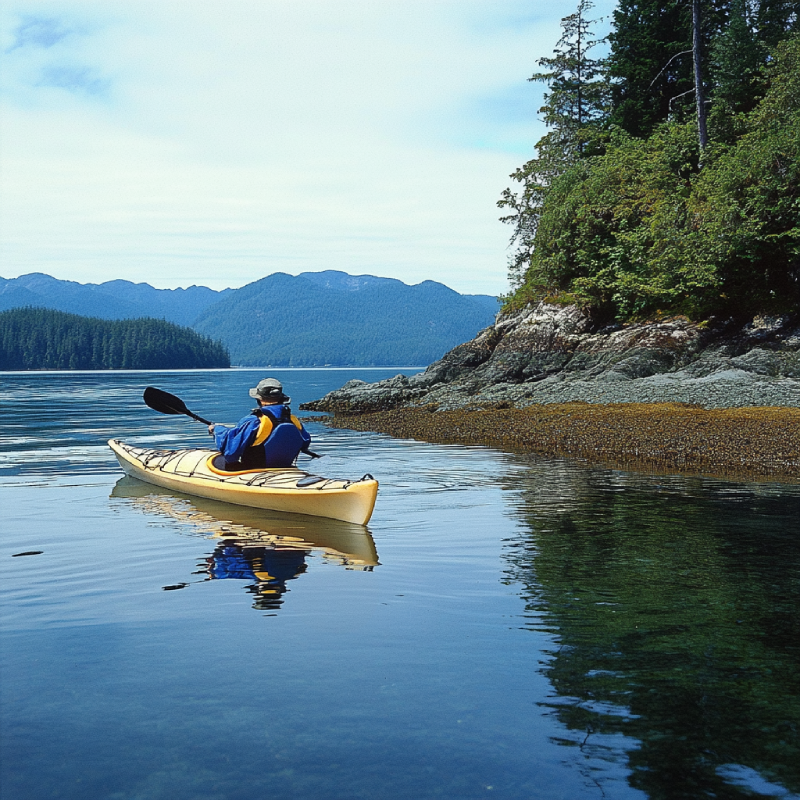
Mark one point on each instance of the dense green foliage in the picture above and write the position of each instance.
(650, 62)
(642, 220)
(576, 106)
(39, 338)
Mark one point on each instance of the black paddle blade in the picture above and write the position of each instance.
(167, 403)
(164, 402)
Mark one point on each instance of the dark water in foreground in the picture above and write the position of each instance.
(508, 626)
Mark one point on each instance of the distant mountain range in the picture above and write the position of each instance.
(314, 319)
(109, 300)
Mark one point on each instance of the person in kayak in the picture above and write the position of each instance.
(269, 436)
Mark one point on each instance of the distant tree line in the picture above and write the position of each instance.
(40, 338)
(669, 179)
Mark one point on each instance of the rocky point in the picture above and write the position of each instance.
(555, 354)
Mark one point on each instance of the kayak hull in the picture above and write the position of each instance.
(192, 472)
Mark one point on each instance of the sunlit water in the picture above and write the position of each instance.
(507, 626)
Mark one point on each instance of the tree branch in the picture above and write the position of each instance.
(678, 96)
(683, 53)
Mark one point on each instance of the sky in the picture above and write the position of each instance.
(216, 142)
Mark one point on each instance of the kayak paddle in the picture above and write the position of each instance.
(167, 403)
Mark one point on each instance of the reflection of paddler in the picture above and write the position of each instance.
(269, 568)
(266, 564)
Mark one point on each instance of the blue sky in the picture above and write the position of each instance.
(213, 143)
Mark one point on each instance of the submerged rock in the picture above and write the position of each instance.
(554, 354)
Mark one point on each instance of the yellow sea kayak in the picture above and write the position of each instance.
(289, 490)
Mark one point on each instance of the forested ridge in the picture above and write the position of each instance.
(383, 322)
(668, 180)
(311, 319)
(39, 338)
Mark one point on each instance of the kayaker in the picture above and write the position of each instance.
(269, 436)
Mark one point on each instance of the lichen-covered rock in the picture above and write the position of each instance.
(360, 397)
(553, 354)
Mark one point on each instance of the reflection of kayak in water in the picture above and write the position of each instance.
(342, 542)
(288, 490)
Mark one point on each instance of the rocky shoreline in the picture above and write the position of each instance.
(556, 354)
(715, 397)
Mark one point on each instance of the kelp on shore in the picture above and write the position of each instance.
(754, 442)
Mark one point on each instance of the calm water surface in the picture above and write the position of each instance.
(507, 626)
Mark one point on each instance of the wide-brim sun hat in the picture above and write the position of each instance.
(269, 389)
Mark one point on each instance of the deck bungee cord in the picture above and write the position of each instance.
(155, 459)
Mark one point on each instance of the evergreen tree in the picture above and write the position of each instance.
(575, 109)
(38, 338)
(736, 61)
(640, 230)
(669, 59)
(650, 63)
(576, 96)
(775, 20)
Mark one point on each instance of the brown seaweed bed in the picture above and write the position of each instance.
(736, 442)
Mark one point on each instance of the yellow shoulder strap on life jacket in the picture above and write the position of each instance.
(296, 422)
(264, 430)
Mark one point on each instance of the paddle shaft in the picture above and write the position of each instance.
(199, 419)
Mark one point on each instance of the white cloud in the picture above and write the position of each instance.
(216, 142)
(33, 31)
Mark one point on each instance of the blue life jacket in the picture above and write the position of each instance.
(279, 440)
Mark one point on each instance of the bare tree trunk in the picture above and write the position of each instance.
(702, 130)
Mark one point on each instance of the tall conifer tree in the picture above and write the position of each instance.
(575, 109)
(736, 60)
(775, 20)
(650, 62)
